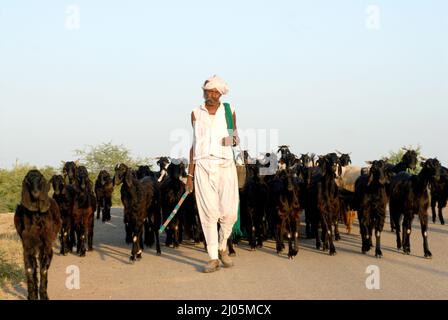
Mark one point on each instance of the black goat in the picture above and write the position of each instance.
(84, 208)
(408, 162)
(324, 202)
(64, 197)
(284, 210)
(371, 197)
(37, 221)
(254, 206)
(103, 191)
(409, 197)
(141, 203)
(69, 172)
(287, 158)
(439, 195)
(69, 175)
(171, 190)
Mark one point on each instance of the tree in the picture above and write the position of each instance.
(106, 156)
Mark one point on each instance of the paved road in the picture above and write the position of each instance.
(107, 274)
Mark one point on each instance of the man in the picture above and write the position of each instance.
(213, 169)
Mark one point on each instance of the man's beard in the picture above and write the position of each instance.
(211, 102)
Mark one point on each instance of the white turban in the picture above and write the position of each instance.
(216, 83)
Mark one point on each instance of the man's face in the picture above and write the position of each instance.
(212, 96)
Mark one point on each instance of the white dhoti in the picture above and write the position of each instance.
(217, 197)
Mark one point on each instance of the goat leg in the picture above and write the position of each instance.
(90, 228)
(290, 244)
(232, 252)
(424, 227)
(407, 223)
(325, 231)
(442, 221)
(149, 235)
(397, 232)
(378, 252)
(315, 226)
(100, 204)
(337, 236)
(155, 228)
(433, 209)
(176, 235)
(30, 262)
(330, 239)
(45, 261)
(279, 237)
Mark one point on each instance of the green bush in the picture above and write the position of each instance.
(11, 184)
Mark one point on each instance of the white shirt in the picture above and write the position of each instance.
(209, 130)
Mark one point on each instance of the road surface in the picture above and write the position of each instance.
(106, 273)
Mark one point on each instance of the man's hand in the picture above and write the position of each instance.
(190, 184)
(228, 141)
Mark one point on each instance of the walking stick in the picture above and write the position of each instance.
(176, 209)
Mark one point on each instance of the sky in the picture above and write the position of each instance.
(365, 77)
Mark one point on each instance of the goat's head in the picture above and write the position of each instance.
(104, 177)
(143, 171)
(82, 179)
(35, 192)
(284, 150)
(57, 182)
(253, 169)
(329, 164)
(377, 173)
(344, 159)
(176, 169)
(410, 158)
(121, 170)
(69, 171)
(305, 159)
(163, 163)
(431, 169)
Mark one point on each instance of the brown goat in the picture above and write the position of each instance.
(83, 211)
(37, 221)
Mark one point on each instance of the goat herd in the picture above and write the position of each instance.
(327, 189)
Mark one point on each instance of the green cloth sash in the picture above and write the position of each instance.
(236, 231)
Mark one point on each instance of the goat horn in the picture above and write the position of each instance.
(338, 151)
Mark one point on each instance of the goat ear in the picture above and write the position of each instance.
(370, 178)
(128, 177)
(26, 198)
(44, 199)
(323, 168)
(369, 162)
